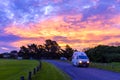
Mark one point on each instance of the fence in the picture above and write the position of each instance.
(30, 73)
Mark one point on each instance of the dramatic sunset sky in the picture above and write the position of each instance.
(79, 23)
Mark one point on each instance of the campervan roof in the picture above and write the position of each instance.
(79, 53)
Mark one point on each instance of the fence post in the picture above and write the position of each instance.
(40, 64)
(34, 71)
(30, 76)
(37, 68)
(22, 78)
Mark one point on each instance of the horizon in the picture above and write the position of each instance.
(80, 23)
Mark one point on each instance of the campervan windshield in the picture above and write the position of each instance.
(82, 57)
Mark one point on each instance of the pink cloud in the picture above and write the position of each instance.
(4, 48)
(96, 31)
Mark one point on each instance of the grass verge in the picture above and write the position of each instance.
(114, 66)
(50, 72)
(14, 69)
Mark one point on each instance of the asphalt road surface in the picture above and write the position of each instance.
(85, 73)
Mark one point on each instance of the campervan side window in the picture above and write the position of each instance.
(72, 57)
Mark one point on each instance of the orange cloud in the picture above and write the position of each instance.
(27, 42)
(79, 34)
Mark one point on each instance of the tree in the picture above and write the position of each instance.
(48, 44)
(52, 48)
(104, 53)
(23, 52)
(14, 54)
(68, 52)
(33, 51)
(41, 51)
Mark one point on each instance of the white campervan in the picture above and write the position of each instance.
(80, 59)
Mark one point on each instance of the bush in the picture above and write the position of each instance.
(104, 54)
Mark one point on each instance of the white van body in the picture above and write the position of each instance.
(80, 59)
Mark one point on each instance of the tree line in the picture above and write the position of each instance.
(104, 53)
(50, 49)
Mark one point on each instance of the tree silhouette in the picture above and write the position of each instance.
(68, 52)
(33, 51)
(23, 52)
(13, 54)
(50, 49)
(104, 53)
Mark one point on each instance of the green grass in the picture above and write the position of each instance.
(114, 66)
(14, 69)
(50, 72)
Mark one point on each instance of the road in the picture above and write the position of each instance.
(85, 73)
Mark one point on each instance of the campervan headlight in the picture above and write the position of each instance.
(88, 62)
(80, 61)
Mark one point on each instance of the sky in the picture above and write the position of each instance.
(78, 23)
